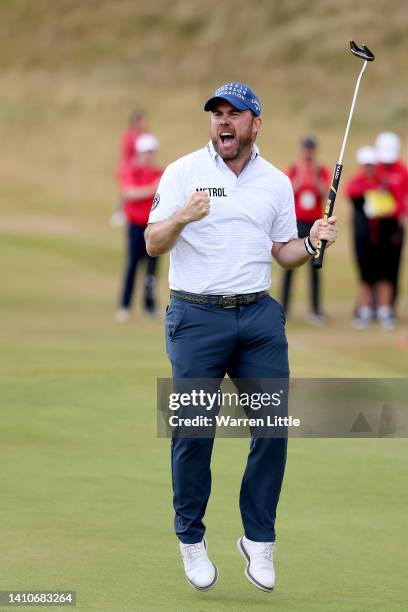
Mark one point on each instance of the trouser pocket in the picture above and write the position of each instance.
(174, 317)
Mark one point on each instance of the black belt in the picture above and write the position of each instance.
(225, 301)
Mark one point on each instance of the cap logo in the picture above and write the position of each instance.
(232, 89)
(255, 102)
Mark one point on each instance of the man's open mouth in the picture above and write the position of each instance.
(226, 137)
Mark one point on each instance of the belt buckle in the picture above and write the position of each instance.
(229, 301)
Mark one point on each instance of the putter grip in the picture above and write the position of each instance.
(328, 211)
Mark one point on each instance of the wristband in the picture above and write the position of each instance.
(309, 247)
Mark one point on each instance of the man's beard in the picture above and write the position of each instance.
(241, 144)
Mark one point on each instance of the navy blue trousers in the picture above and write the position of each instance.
(209, 342)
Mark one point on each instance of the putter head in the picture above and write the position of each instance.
(363, 52)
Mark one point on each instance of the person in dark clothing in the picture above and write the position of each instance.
(310, 181)
(138, 184)
(393, 176)
(377, 241)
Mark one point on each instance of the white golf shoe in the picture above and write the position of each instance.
(200, 572)
(259, 562)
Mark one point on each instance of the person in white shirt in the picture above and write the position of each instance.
(223, 212)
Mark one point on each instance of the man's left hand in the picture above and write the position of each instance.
(323, 229)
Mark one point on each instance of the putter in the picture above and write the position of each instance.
(367, 55)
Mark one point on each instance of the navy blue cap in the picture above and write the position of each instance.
(237, 94)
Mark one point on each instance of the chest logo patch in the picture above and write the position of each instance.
(156, 201)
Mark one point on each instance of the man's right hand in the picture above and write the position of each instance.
(197, 207)
(161, 236)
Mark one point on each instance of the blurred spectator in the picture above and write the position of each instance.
(138, 184)
(360, 188)
(378, 202)
(310, 182)
(136, 127)
(393, 176)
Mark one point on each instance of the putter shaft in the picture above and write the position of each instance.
(340, 162)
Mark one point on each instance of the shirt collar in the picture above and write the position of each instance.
(216, 157)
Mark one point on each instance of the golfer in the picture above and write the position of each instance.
(223, 212)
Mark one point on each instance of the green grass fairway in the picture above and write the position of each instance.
(86, 500)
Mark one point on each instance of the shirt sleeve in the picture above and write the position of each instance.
(169, 195)
(284, 227)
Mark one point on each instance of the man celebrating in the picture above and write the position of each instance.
(223, 212)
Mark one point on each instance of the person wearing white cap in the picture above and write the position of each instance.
(135, 128)
(373, 227)
(393, 177)
(138, 184)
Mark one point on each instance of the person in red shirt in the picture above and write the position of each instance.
(136, 127)
(310, 182)
(361, 189)
(378, 193)
(138, 184)
(393, 177)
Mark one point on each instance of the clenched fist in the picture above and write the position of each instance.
(197, 207)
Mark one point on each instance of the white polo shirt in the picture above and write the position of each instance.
(228, 251)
